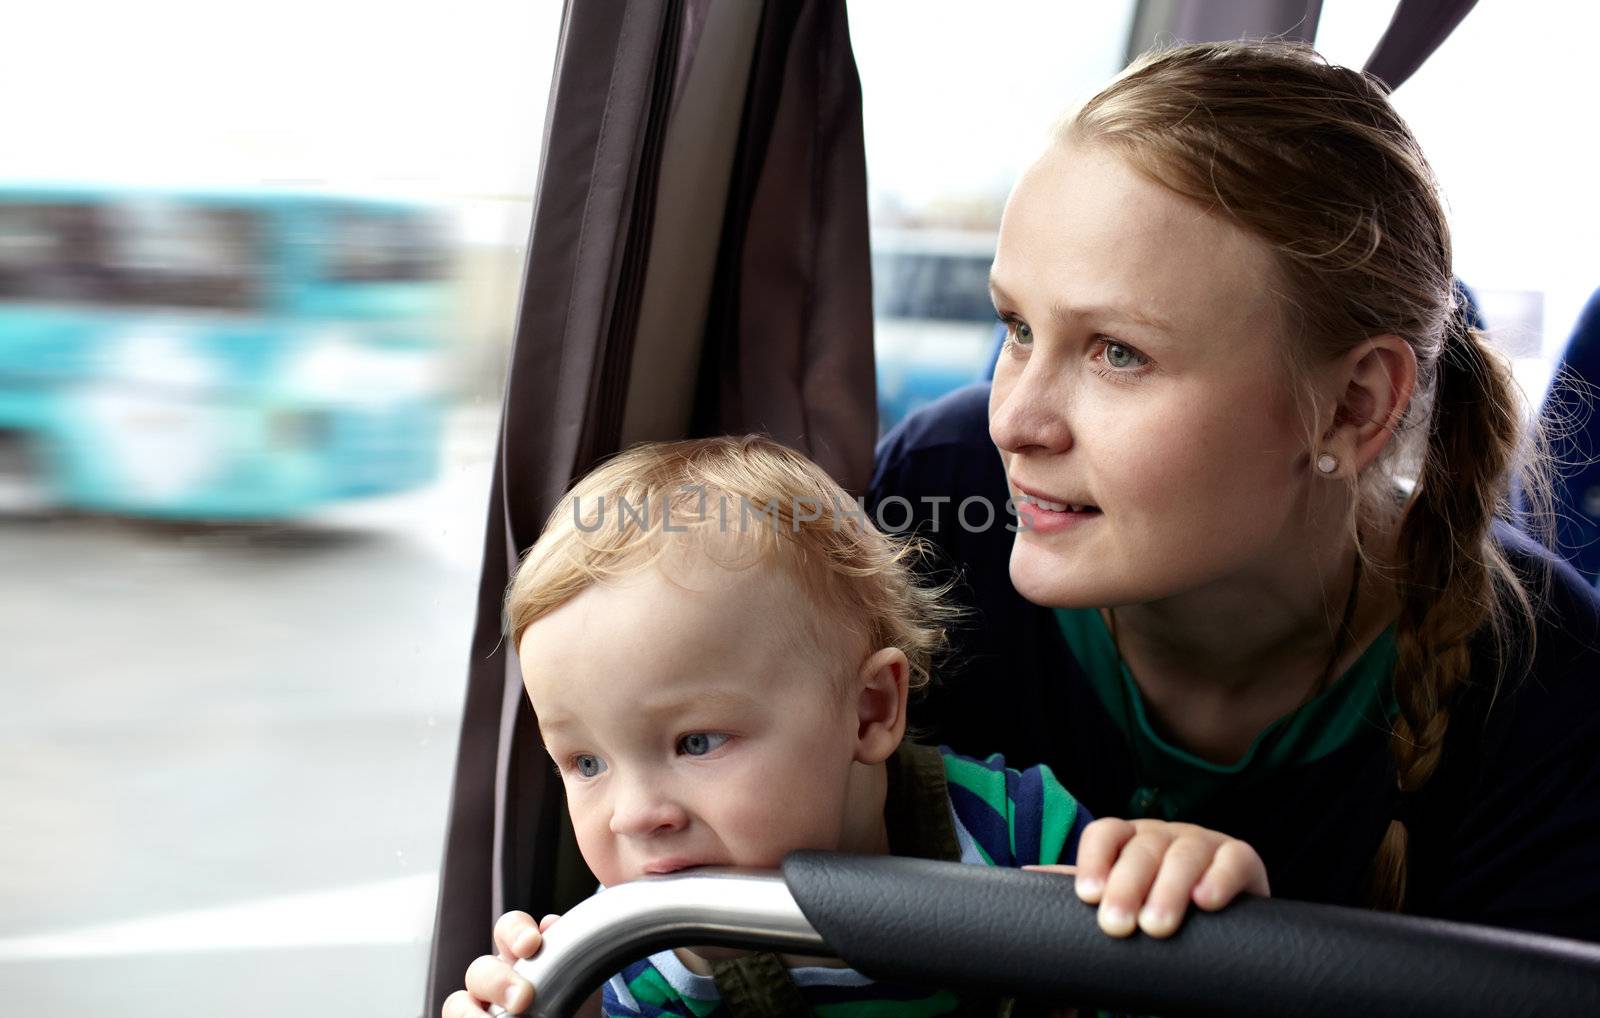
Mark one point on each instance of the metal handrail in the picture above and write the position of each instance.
(714, 906)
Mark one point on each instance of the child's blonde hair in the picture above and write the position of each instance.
(745, 502)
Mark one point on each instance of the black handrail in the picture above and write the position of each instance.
(1017, 933)
(1027, 934)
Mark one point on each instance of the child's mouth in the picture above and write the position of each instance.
(664, 866)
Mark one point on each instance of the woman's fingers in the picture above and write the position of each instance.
(1235, 869)
(1129, 882)
(1186, 861)
(516, 936)
(1098, 847)
(491, 979)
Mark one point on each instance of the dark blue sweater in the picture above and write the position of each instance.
(1507, 832)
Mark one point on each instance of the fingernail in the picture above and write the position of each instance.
(524, 941)
(1117, 921)
(513, 994)
(1090, 885)
(1155, 921)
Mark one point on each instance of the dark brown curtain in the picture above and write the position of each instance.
(787, 351)
(1416, 30)
(1213, 21)
(789, 340)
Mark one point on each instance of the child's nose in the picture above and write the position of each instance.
(640, 811)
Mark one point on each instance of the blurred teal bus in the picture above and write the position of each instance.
(217, 356)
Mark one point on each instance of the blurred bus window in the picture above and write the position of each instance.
(368, 247)
(257, 287)
(957, 101)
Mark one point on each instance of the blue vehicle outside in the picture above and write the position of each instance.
(218, 356)
(933, 322)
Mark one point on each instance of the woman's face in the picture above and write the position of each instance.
(1142, 387)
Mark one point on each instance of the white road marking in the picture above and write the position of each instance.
(396, 911)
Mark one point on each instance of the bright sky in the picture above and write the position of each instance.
(1506, 112)
(449, 100)
(386, 94)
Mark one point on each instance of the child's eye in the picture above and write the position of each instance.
(588, 765)
(700, 743)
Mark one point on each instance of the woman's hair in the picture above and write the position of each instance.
(745, 503)
(1313, 159)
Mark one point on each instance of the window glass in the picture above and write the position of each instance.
(1504, 111)
(957, 102)
(242, 490)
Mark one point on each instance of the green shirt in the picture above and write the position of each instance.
(1174, 783)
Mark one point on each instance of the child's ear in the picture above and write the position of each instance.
(1375, 382)
(881, 688)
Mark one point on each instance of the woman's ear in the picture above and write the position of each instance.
(881, 689)
(1375, 382)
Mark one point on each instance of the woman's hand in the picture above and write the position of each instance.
(490, 979)
(1144, 873)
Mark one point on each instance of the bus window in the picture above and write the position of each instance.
(365, 246)
(165, 253)
(1515, 164)
(950, 122)
(256, 293)
(50, 251)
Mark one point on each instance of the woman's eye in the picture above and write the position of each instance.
(1019, 333)
(587, 765)
(700, 743)
(1119, 356)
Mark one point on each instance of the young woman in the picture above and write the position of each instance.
(1262, 578)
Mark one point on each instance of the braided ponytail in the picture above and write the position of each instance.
(1452, 575)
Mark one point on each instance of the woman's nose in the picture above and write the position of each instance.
(641, 810)
(1028, 409)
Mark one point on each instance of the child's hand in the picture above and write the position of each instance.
(1144, 873)
(490, 979)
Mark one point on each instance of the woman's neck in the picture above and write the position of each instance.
(1216, 666)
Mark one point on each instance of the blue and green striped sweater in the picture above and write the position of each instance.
(1001, 817)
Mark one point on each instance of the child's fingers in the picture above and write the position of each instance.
(1129, 882)
(460, 1004)
(491, 979)
(1186, 861)
(1098, 847)
(516, 936)
(548, 921)
(1235, 869)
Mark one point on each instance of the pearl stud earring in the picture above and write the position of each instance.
(1327, 463)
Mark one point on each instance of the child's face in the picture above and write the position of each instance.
(694, 724)
(1149, 384)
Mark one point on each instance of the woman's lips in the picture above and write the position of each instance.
(1046, 516)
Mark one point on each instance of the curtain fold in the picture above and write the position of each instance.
(1159, 21)
(1417, 28)
(504, 799)
(788, 349)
